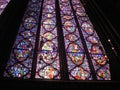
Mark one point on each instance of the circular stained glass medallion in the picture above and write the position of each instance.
(48, 27)
(49, 46)
(48, 56)
(104, 73)
(73, 47)
(69, 26)
(79, 73)
(87, 26)
(100, 59)
(77, 58)
(29, 23)
(27, 34)
(80, 11)
(18, 70)
(21, 55)
(72, 37)
(93, 39)
(96, 49)
(48, 72)
(89, 31)
(49, 36)
(49, 9)
(25, 44)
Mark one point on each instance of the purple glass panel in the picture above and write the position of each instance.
(95, 48)
(78, 67)
(3, 4)
(48, 66)
(21, 58)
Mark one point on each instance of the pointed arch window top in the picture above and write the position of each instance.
(49, 26)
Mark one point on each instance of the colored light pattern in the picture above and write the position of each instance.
(20, 63)
(48, 63)
(48, 66)
(95, 48)
(3, 4)
(78, 67)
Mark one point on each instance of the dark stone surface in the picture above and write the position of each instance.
(111, 8)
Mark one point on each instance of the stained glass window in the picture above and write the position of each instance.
(48, 65)
(77, 62)
(36, 52)
(21, 58)
(3, 4)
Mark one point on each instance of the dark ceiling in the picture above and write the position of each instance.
(111, 9)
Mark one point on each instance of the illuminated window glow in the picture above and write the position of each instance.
(36, 51)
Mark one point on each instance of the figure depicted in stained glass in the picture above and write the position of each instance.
(85, 56)
(49, 67)
(21, 59)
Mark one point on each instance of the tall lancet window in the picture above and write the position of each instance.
(3, 4)
(56, 40)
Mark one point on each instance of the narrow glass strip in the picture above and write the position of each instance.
(48, 64)
(98, 56)
(21, 58)
(78, 67)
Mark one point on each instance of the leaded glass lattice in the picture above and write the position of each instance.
(37, 48)
(77, 61)
(21, 58)
(48, 66)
